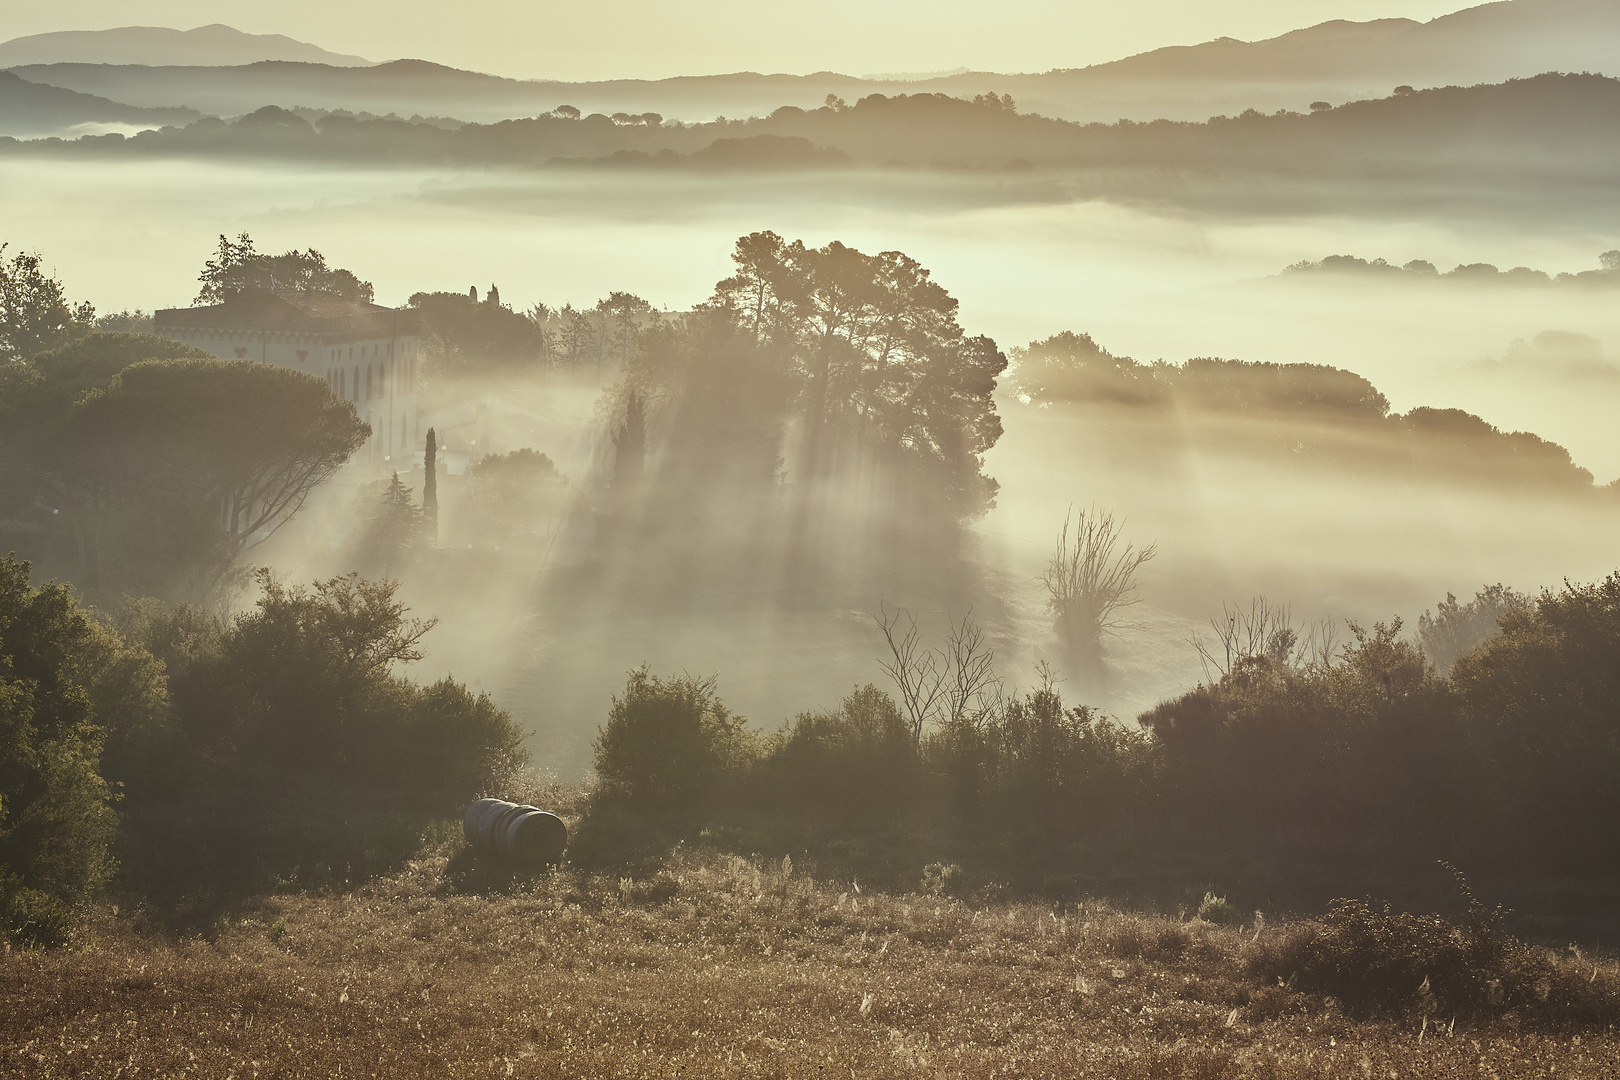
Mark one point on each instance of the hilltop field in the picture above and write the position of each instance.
(729, 967)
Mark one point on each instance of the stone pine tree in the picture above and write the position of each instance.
(430, 489)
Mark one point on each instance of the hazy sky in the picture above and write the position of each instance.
(651, 38)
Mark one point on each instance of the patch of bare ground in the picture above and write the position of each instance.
(722, 967)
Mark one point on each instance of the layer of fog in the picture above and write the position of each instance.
(1026, 260)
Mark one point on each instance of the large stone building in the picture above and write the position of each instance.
(365, 352)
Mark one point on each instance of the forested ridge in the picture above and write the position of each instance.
(1518, 128)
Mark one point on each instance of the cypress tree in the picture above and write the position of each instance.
(430, 488)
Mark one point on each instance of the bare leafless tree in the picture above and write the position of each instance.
(936, 686)
(1091, 579)
(1265, 630)
(973, 688)
(914, 668)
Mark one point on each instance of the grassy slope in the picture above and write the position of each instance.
(717, 967)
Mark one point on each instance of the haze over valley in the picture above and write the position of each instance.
(1142, 483)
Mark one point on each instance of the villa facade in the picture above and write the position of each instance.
(368, 354)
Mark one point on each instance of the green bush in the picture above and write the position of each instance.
(296, 753)
(57, 824)
(671, 745)
(858, 762)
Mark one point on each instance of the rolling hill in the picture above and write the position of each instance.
(215, 44)
(29, 109)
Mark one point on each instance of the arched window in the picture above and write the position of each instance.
(368, 382)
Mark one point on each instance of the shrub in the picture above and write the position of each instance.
(943, 879)
(1543, 700)
(1454, 629)
(857, 762)
(1063, 769)
(1371, 737)
(1215, 909)
(1376, 960)
(670, 744)
(296, 752)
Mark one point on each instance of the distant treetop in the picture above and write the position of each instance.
(1608, 272)
(238, 267)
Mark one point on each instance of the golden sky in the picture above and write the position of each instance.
(654, 39)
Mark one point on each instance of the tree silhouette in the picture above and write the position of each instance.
(393, 533)
(238, 267)
(34, 311)
(430, 486)
(873, 347)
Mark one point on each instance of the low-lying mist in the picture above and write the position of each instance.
(1235, 508)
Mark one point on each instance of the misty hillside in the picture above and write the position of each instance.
(215, 44)
(1336, 61)
(1551, 125)
(1485, 43)
(28, 108)
(418, 86)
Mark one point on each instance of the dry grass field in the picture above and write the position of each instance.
(723, 967)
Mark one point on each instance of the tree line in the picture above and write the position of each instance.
(1606, 273)
(1531, 129)
(468, 337)
(1296, 747)
(1311, 412)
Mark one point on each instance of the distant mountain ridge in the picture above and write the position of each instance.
(215, 45)
(1335, 61)
(1484, 44)
(29, 109)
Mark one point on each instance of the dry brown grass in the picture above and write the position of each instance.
(722, 967)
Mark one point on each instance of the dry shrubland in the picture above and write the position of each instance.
(723, 966)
